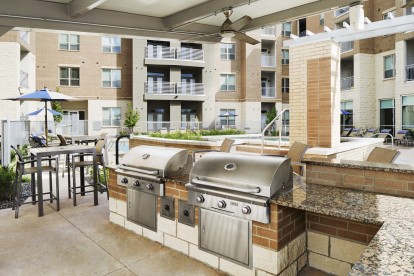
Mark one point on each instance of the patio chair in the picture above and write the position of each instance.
(346, 131)
(64, 142)
(384, 134)
(382, 155)
(355, 132)
(37, 142)
(296, 153)
(400, 135)
(224, 147)
(370, 132)
(100, 161)
(21, 170)
(408, 138)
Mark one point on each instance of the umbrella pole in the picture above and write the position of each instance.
(46, 130)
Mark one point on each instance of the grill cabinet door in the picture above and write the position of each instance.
(142, 209)
(225, 235)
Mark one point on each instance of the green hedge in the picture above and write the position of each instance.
(178, 135)
(215, 132)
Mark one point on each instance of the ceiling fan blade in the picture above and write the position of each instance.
(408, 4)
(239, 24)
(245, 38)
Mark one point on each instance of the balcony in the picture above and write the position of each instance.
(409, 72)
(341, 11)
(268, 61)
(268, 92)
(162, 55)
(171, 91)
(268, 31)
(191, 89)
(24, 79)
(347, 83)
(347, 46)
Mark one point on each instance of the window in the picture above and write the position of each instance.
(389, 67)
(388, 15)
(285, 85)
(227, 82)
(111, 44)
(227, 120)
(410, 9)
(111, 78)
(69, 42)
(286, 29)
(322, 19)
(285, 56)
(227, 51)
(387, 111)
(346, 114)
(111, 116)
(408, 112)
(69, 76)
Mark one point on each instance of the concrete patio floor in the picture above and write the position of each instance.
(82, 241)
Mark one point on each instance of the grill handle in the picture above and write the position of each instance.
(233, 188)
(155, 172)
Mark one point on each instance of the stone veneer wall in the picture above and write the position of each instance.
(391, 183)
(335, 244)
(279, 248)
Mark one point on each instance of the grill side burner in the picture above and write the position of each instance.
(142, 170)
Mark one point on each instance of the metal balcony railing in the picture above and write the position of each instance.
(268, 92)
(159, 88)
(269, 31)
(347, 83)
(341, 11)
(159, 52)
(347, 46)
(268, 61)
(24, 79)
(191, 89)
(190, 54)
(409, 72)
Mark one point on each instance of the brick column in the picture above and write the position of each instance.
(314, 98)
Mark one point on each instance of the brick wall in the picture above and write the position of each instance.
(392, 183)
(116, 191)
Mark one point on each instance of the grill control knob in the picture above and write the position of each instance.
(246, 210)
(221, 204)
(124, 180)
(200, 199)
(136, 183)
(150, 186)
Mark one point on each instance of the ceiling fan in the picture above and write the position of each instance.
(231, 29)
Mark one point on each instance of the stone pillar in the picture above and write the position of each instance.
(175, 114)
(314, 97)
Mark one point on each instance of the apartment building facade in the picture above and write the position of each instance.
(377, 73)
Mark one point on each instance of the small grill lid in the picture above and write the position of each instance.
(156, 161)
(253, 174)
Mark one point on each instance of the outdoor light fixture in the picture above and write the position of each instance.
(356, 16)
(227, 34)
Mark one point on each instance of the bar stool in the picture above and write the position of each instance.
(22, 170)
(66, 163)
(85, 163)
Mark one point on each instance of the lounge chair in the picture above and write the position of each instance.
(355, 132)
(37, 142)
(346, 131)
(225, 147)
(384, 134)
(408, 138)
(399, 136)
(382, 155)
(370, 132)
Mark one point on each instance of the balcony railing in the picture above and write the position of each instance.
(347, 46)
(190, 54)
(341, 11)
(347, 83)
(268, 61)
(268, 92)
(159, 52)
(24, 79)
(191, 89)
(163, 52)
(160, 88)
(269, 31)
(409, 71)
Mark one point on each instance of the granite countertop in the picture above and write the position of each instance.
(391, 251)
(375, 166)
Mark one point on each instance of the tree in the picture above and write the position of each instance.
(271, 115)
(57, 107)
(131, 117)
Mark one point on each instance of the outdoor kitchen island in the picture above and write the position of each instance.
(326, 227)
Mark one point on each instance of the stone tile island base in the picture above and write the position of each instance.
(279, 248)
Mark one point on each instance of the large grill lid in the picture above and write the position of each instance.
(155, 161)
(253, 174)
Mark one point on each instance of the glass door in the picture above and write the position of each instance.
(387, 116)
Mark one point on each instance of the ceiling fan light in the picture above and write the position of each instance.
(227, 34)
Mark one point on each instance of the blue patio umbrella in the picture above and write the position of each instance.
(43, 95)
(37, 112)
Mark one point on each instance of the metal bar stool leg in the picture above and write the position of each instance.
(19, 190)
(74, 183)
(68, 164)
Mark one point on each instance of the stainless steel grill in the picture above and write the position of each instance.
(232, 190)
(143, 170)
